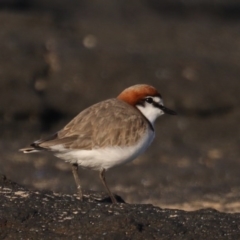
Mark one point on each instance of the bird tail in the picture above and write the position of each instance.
(28, 150)
(37, 145)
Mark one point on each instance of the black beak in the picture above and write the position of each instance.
(167, 110)
(164, 109)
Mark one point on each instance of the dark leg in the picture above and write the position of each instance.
(77, 180)
(102, 177)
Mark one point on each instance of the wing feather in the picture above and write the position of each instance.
(108, 123)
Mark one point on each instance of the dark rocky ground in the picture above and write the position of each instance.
(58, 57)
(60, 216)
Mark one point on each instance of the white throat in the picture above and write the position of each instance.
(150, 112)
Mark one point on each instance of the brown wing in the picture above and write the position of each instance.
(108, 123)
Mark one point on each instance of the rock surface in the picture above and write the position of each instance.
(58, 57)
(28, 214)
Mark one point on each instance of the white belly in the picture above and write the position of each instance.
(106, 158)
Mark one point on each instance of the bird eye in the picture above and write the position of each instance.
(149, 100)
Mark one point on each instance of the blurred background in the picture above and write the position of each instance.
(58, 57)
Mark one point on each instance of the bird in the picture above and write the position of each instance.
(107, 134)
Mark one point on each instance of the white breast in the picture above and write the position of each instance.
(106, 158)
